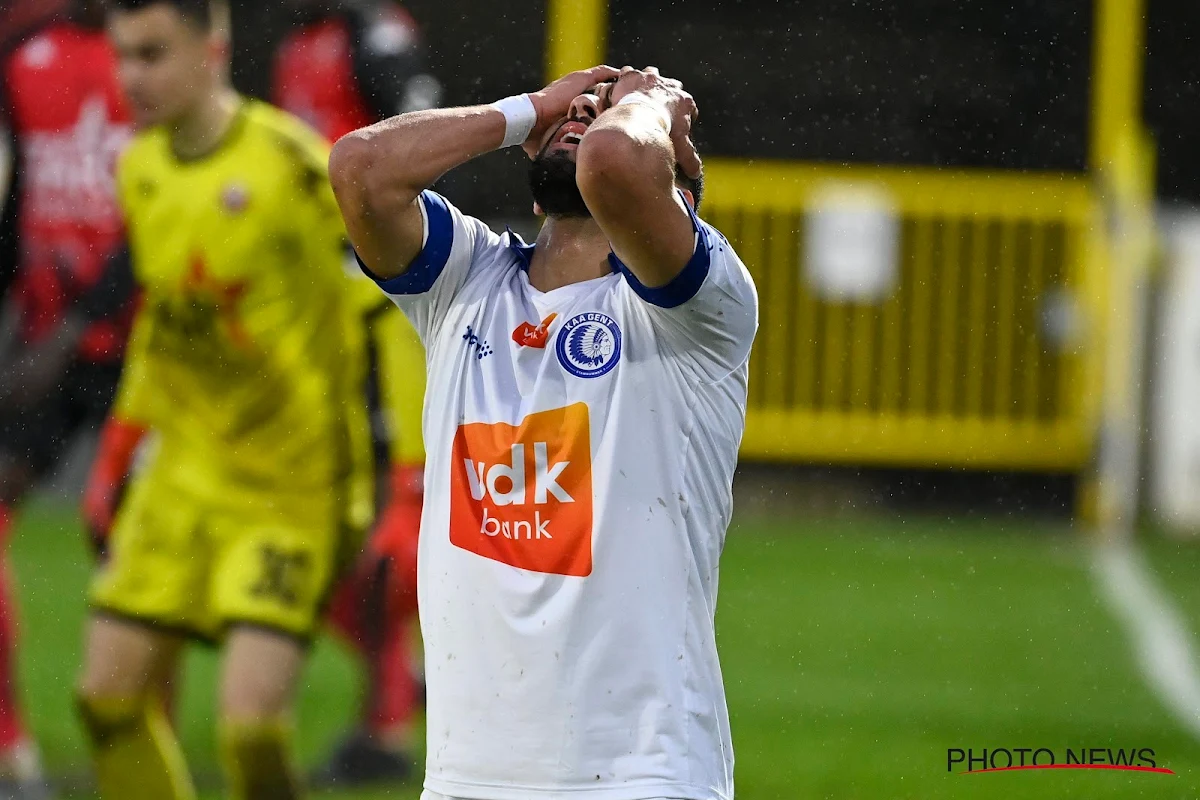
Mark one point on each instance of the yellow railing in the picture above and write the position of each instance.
(576, 33)
(976, 356)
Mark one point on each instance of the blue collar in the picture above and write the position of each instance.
(517, 244)
(524, 252)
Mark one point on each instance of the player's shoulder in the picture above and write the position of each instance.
(451, 229)
(456, 244)
(57, 44)
(284, 132)
(286, 141)
(32, 61)
(41, 48)
(147, 152)
(723, 256)
(272, 120)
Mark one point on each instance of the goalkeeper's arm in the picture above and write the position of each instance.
(108, 478)
(126, 427)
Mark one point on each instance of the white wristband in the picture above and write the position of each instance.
(519, 118)
(642, 100)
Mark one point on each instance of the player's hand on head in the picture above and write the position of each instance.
(554, 101)
(680, 106)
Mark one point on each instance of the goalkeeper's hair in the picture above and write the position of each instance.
(199, 14)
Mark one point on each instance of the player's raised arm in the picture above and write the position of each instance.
(626, 172)
(379, 171)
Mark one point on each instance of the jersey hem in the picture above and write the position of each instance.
(641, 791)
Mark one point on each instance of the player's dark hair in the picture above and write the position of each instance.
(198, 13)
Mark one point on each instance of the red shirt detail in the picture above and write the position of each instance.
(70, 122)
(314, 79)
(314, 76)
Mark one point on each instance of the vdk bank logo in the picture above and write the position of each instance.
(522, 494)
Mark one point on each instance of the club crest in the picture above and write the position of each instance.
(589, 345)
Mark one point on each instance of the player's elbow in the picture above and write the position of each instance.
(611, 163)
(359, 175)
(349, 165)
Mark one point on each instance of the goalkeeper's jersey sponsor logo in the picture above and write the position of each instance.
(200, 321)
(522, 494)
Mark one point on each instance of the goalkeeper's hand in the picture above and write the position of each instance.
(107, 479)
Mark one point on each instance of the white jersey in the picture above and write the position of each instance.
(581, 447)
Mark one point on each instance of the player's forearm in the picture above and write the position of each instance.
(626, 151)
(625, 170)
(385, 166)
(378, 172)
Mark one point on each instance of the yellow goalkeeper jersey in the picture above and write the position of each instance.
(244, 358)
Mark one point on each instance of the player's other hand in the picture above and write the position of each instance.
(554, 102)
(107, 479)
(680, 107)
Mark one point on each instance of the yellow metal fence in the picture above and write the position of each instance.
(984, 352)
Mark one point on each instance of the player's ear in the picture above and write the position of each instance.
(222, 26)
(689, 197)
(218, 50)
(537, 210)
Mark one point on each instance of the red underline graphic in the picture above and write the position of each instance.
(1130, 768)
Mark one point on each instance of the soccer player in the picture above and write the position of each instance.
(348, 64)
(585, 401)
(243, 365)
(66, 312)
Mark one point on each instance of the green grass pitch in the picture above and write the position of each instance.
(855, 652)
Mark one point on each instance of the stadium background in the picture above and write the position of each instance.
(875, 611)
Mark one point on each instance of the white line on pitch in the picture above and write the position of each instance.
(1156, 629)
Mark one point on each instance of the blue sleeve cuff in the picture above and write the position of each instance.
(682, 287)
(424, 270)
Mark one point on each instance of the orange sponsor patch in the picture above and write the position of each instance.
(522, 495)
(527, 335)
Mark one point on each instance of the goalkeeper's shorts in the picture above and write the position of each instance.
(197, 568)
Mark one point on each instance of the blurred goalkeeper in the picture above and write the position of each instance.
(242, 363)
(350, 63)
(65, 287)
